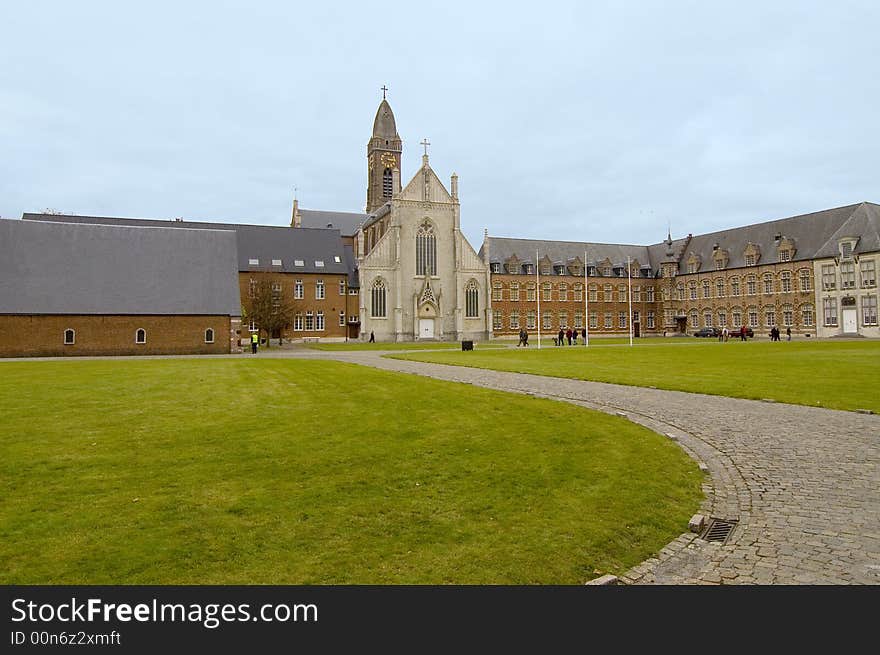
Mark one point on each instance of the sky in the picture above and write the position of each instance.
(582, 121)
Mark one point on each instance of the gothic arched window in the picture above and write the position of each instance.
(377, 298)
(387, 183)
(472, 299)
(426, 250)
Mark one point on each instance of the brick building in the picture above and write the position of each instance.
(78, 289)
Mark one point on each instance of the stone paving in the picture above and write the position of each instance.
(802, 482)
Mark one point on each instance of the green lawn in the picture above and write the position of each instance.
(277, 471)
(834, 374)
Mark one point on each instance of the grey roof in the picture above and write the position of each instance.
(52, 268)
(263, 243)
(354, 281)
(501, 249)
(814, 235)
(346, 222)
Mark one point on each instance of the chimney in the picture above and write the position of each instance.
(295, 218)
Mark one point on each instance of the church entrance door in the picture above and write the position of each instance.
(426, 328)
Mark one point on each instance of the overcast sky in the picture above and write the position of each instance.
(596, 121)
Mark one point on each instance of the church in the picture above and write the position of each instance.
(402, 270)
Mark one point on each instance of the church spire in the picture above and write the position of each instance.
(384, 150)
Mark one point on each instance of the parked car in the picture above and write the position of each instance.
(706, 332)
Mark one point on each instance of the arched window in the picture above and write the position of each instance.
(426, 250)
(387, 183)
(209, 335)
(377, 298)
(69, 337)
(140, 336)
(472, 300)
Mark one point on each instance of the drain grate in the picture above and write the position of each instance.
(719, 530)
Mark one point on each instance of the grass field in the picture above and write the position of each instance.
(276, 471)
(833, 374)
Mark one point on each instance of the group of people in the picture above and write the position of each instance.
(569, 335)
(774, 333)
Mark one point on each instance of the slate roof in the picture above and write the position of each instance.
(354, 281)
(815, 235)
(52, 268)
(346, 222)
(560, 252)
(259, 242)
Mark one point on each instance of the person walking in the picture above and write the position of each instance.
(561, 336)
(372, 337)
(255, 340)
(522, 337)
(584, 335)
(742, 333)
(788, 333)
(568, 335)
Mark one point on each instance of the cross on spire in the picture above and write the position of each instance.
(425, 143)
(384, 89)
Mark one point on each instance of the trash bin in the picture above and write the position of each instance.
(467, 345)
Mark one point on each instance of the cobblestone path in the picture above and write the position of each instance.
(802, 482)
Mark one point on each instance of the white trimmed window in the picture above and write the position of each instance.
(787, 315)
(563, 319)
(252, 288)
(829, 279)
(299, 262)
(650, 293)
(298, 322)
(594, 320)
(869, 310)
(252, 326)
(768, 283)
(706, 293)
(341, 287)
(750, 260)
(514, 291)
(298, 289)
(621, 293)
(593, 294)
(563, 292)
(578, 292)
(621, 320)
(805, 280)
(377, 299)
(319, 321)
(514, 320)
(769, 317)
(637, 294)
(693, 318)
(547, 321)
(649, 320)
(609, 321)
(719, 288)
(807, 315)
(734, 286)
(140, 336)
(751, 285)
(753, 317)
(310, 321)
(472, 299)
(530, 292)
(692, 290)
(319, 290)
(69, 337)
(530, 320)
(276, 295)
(867, 273)
(785, 279)
(341, 319)
(829, 311)
(497, 320)
(847, 275)
(547, 292)
(497, 291)
(707, 319)
(578, 320)
(722, 318)
(209, 335)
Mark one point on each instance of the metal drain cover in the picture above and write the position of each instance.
(719, 530)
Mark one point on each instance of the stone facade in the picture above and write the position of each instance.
(846, 295)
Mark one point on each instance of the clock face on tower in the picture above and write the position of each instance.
(388, 160)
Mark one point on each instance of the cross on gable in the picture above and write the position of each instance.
(384, 89)
(425, 143)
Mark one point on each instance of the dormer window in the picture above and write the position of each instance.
(495, 267)
(591, 271)
(785, 255)
(846, 249)
(298, 262)
(528, 269)
(276, 262)
(253, 262)
(559, 270)
(337, 259)
(319, 263)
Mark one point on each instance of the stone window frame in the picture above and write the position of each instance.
(497, 292)
(546, 320)
(72, 340)
(531, 319)
(767, 281)
(869, 304)
(531, 291)
(830, 316)
(720, 287)
(752, 285)
(868, 266)
(426, 249)
(608, 293)
(472, 299)
(621, 293)
(593, 320)
(829, 277)
(736, 316)
(753, 316)
(694, 318)
(298, 290)
(608, 323)
(621, 320)
(514, 320)
(692, 290)
(734, 287)
(847, 275)
(563, 319)
(579, 320)
(722, 318)
(769, 315)
(787, 316)
(563, 292)
(707, 292)
(498, 320)
(514, 291)
(808, 314)
(547, 292)
(209, 335)
(593, 293)
(649, 291)
(649, 320)
(137, 336)
(805, 280)
(707, 318)
(578, 291)
(378, 299)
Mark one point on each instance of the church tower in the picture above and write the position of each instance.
(383, 156)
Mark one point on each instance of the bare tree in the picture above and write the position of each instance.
(268, 308)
